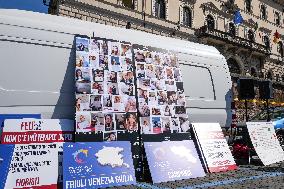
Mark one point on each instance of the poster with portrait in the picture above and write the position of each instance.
(33, 166)
(265, 142)
(161, 98)
(28, 131)
(6, 154)
(98, 165)
(214, 148)
(173, 160)
(105, 89)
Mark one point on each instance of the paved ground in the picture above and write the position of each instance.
(246, 177)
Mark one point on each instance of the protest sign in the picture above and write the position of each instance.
(33, 166)
(265, 142)
(97, 165)
(173, 160)
(214, 147)
(6, 153)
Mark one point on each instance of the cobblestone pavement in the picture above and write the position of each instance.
(246, 177)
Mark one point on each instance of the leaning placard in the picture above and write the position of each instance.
(173, 160)
(214, 148)
(97, 165)
(265, 143)
(33, 166)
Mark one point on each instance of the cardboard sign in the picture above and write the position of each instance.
(33, 166)
(97, 165)
(6, 153)
(265, 143)
(214, 147)
(26, 131)
(173, 160)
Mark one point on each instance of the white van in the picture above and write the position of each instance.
(38, 61)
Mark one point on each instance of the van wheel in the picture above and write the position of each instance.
(280, 137)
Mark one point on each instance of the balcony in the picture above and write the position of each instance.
(204, 32)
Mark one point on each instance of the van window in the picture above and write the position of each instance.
(197, 82)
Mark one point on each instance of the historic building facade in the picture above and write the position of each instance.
(253, 49)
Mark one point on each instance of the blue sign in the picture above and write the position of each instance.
(97, 165)
(173, 160)
(6, 153)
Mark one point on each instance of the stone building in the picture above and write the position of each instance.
(251, 48)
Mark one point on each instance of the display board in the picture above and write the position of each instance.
(6, 153)
(105, 89)
(265, 142)
(214, 148)
(173, 160)
(161, 96)
(97, 165)
(27, 131)
(33, 166)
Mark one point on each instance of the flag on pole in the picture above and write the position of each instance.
(238, 19)
(276, 37)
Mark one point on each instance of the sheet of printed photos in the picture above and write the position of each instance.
(161, 94)
(105, 91)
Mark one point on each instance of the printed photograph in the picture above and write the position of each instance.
(82, 59)
(181, 100)
(97, 122)
(83, 87)
(160, 72)
(112, 88)
(98, 75)
(83, 122)
(96, 102)
(155, 110)
(144, 83)
(180, 88)
(114, 64)
(140, 70)
(143, 95)
(130, 104)
(119, 120)
(169, 73)
(153, 100)
(157, 125)
(162, 97)
(172, 97)
(166, 124)
(174, 61)
(82, 102)
(145, 125)
(144, 109)
(82, 44)
(126, 89)
(171, 85)
(103, 62)
(94, 45)
(150, 72)
(177, 74)
(111, 76)
(184, 124)
(148, 57)
(114, 48)
(167, 110)
(110, 136)
(103, 47)
(139, 56)
(175, 126)
(157, 58)
(126, 77)
(126, 64)
(118, 103)
(82, 74)
(166, 60)
(98, 88)
(107, 103)
(180, 111)
(131, 122)
(94, 58)
(109, 122)
(126, 50)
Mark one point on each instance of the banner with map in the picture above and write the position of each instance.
(161, 97)
(105, 89)
(173, 160)
(265, 142)
(33, 166)
(97, 165)
(214, 148)
(6, 153)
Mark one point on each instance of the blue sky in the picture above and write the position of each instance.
(30, 5)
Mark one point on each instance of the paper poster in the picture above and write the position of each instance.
(105, 88)
(33, 166)
(161, 96)
(265, 142)
(6, 153)
(214, 147)
(27, 131)
(173, 160)
(97, 165)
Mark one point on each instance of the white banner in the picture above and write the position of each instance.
(214, 147)
(263, 138)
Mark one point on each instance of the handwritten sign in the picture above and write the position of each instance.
(263, 138)
(214, 147)
(97, 165)
(33, 166)
(173, 160)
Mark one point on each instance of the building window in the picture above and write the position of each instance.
(280, 48)
(263, 12)
(269, 75)
(253, 72)
(282, 78)
(232, 29)
(277, 18)
(233, 66)
(248, 5)
(210, 22)
(266, 41)
(128, 3)
(160, 9)
(187, 16)
(251, 36)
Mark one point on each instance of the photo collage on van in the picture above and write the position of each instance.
(105, 91)
(161, 94)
